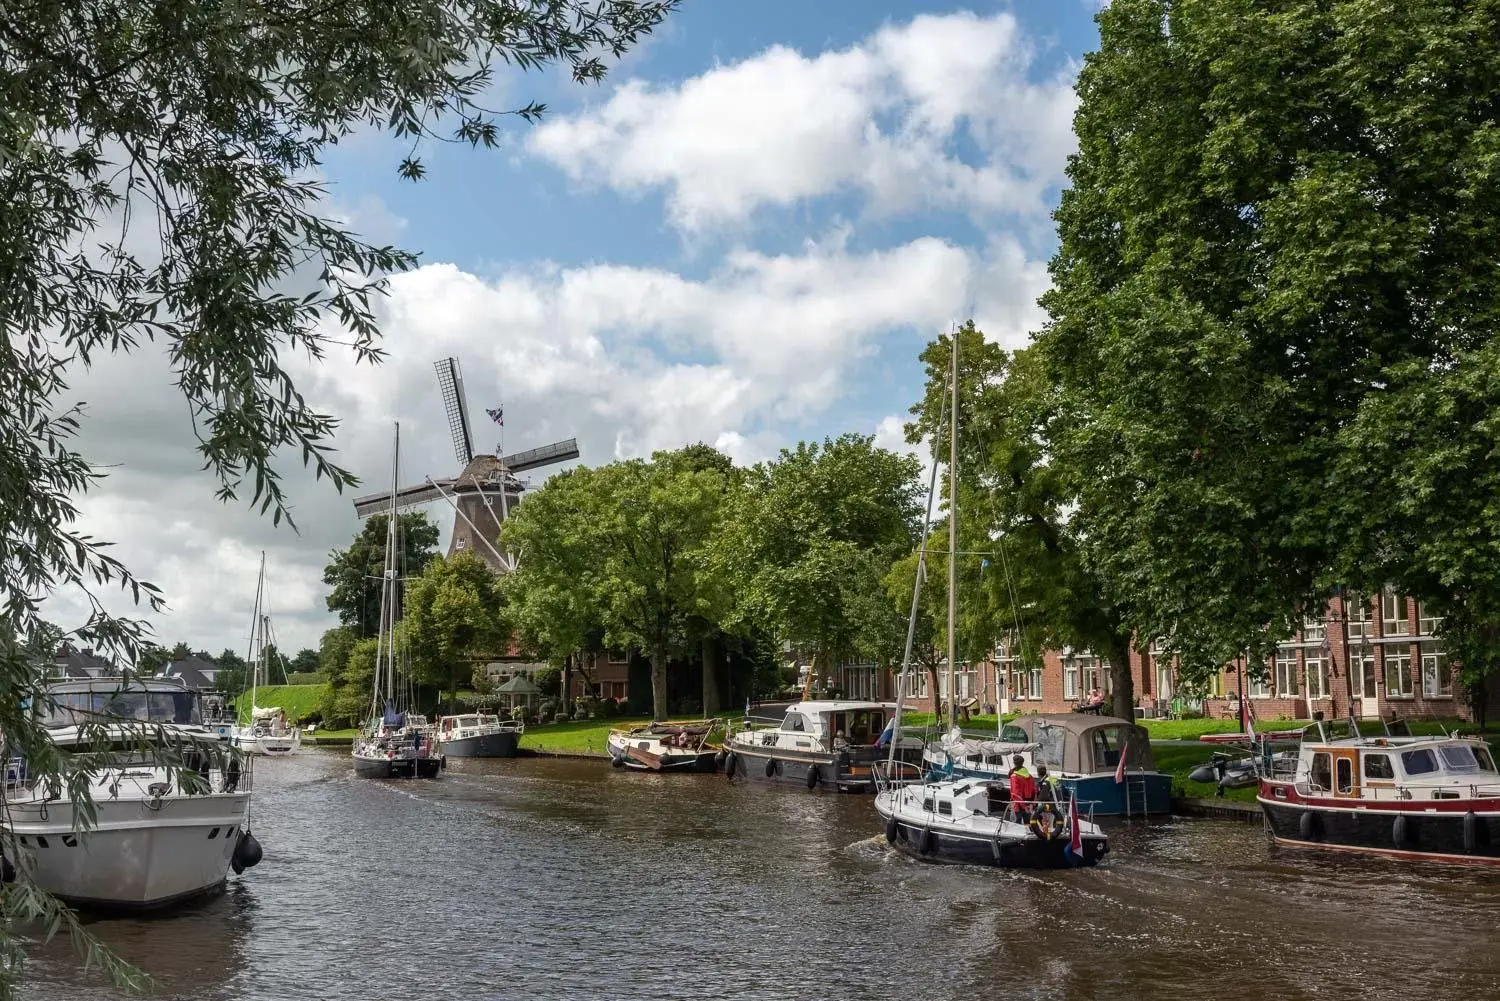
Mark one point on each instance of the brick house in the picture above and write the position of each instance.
(1382, 659)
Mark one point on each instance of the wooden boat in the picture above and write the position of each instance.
(666, 747)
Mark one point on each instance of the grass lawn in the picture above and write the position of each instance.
(297, 700)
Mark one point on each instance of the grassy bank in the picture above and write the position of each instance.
(297, 700)
(586, 736)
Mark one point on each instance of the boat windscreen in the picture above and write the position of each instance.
(71, 708)
(1459, 758)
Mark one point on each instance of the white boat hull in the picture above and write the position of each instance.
(135, 856)
(269, 744)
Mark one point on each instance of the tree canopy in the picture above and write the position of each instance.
(354, 574)
(1273, 313)
(453, 614)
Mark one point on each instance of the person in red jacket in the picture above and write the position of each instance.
(1022, 787)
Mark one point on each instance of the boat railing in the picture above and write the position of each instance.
(889, 773)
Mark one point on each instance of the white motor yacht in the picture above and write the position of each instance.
(159, 835)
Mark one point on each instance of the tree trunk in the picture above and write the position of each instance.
(712, 665)
(659, 681)
(566, 693)
(937, 701)
(1122, 698)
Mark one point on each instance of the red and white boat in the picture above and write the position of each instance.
(1409, 797)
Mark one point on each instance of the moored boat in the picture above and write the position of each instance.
(1435, 798)
(818, 744)
(479, 735)
(267, 732)
(160, 834)
(1084, 751)
(666, 747)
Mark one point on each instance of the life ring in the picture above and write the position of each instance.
(1401, 832)
(1045, 824)
(891, 827)
(730, 760)
(812, 776)
(1310, 826)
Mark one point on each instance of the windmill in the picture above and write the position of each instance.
(486, 487)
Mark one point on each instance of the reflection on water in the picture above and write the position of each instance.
(570, 879)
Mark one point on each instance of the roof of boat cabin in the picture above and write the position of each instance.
(117, 684)
(818, 708)
(1074, 722)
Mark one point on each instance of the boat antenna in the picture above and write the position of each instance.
(916, 590)
(953, 545)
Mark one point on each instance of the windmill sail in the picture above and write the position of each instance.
(451, 384)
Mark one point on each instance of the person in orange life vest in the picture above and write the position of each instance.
(1022, 785)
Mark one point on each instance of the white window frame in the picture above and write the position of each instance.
(1315, 670)
(1427, 625)
(1258, 688)
(1395, 619)
(1164, 679)
(1361, 623)
(1036, 683)
(1314, 630)
(1437, 673)
(1286, 674)
(1399, 671)
(1357, 661)
(1070, 679)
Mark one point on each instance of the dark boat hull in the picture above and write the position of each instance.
(397, 768)
(489, 745)
(811, 771)
(1444, 836)
(933, 845)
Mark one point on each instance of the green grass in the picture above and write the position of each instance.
(930, 721)
(583, 736)
(297, 700)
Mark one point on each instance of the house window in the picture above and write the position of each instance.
(1216, 685)
(1314, 631)
(1428, 624)
(1070, 678)
(1286, 672)
(1036, 682)
(1398, 672)
(619, 657)
(1393, 620)
(1258, 682)
(1317, 674)
(1360, 626)
(1437, 678)
(1163, 680)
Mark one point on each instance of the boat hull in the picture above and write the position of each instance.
(136, 857)
(486, 745)
(933, 844)
(1108, 797)
(1448, 835)
(397, 768)
(795, 768)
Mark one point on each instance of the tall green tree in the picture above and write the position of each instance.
(454, 614)
(233, 675)
(354, 574)
(1030, 573)
(341, 690)
(306, 662)
(159, 173)
(625, 545)
(811, 538)
(1280, 220)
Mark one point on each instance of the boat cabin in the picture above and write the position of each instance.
(830, 726)
(456, 725)
(71, 703)
(1397, 768)
(1078, 744)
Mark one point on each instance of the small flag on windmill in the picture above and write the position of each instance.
(497, 415)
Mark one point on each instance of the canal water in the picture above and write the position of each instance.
(566, 879)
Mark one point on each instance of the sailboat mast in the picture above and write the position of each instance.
(953, 545)
(388, 598)
(916, 590)
(257, 650)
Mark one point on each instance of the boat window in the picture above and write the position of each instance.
(1378, 766)
(1345, 770)
(793, 722)
(859, 728)
(927, 805)
(157, 707)
(1482, 755)
(1419, 762)
(1321, 774)
(1459, 758)
(1013, 734)
(1106, 748)
(945, 808)
(1050, 751)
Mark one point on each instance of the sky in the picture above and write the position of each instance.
(744, 236)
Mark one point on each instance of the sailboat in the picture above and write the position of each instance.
(394, 743)
(267, 732)
(969, 819)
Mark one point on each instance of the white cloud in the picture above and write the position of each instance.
(882, 118)
(627, 359)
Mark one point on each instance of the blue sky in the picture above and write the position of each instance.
(744, 236)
